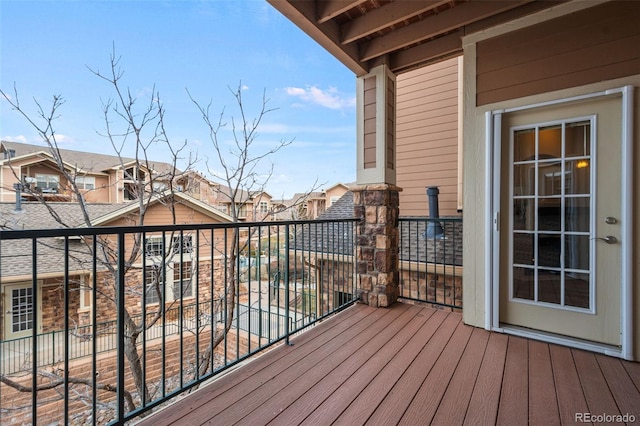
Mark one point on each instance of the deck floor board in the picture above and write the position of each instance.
(411, 365)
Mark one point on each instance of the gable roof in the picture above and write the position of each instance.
(86, 161)
(132, 207)
(15, 255)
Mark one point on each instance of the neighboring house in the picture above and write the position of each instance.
(100, 178)
(254, 206)
(547, 137)
(310, 205)
(178, 273)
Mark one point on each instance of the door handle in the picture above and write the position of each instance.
(609, 239)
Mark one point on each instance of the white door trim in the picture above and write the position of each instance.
(493, 123)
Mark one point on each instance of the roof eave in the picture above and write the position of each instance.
(326, 34)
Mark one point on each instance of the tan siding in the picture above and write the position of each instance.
(596, 44)
(391, 128)
(427, 137)
(369, 123)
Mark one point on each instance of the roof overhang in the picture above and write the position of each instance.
(402, 34)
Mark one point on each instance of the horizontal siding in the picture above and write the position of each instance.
(596, 44)
(427, 137)
(369, 123)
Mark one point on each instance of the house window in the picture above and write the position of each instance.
(21, 309)
(153, 283)
(130, 191)
(264, 207)
(242, 210)
(85, 294)
(47, 183)
(130, 174)
(182, 283)
(333, 199)
(85, 182)
(169, 269)
(182, 244)
(154, 246)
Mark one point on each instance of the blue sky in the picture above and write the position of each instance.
(205, 46)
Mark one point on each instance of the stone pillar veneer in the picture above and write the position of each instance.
(377, 239)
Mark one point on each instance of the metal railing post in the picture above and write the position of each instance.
(120, 282)
(286, 284)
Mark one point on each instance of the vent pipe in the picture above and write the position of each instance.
(18, 188)
(434, 229)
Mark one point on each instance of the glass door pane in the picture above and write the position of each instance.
(551, 214)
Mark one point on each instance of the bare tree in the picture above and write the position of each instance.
(240, 166)
(127, 125)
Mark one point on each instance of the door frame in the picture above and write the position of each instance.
(493, 140)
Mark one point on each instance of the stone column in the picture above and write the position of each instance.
(377, 239)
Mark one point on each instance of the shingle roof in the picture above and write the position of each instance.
(15, 255)
(333, 238)
(339, 238)
(88, 161)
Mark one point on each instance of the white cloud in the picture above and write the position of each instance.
(19, 138)
(331, 98)
(245, 87)
(281, 128)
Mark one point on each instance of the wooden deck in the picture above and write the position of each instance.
(412, 365)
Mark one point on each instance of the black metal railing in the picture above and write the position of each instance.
(139, 315)
(430, 252)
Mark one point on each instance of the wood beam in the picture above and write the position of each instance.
(432, 26)
(329, 9)
(422, 54)
(385, 16)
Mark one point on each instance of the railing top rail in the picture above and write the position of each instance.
(441, 219)
(110, 230)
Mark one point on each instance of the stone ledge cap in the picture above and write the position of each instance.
(375, 187)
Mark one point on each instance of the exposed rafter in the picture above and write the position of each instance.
(386, 16)
(435, 25)
(401, 33)
(329, 9)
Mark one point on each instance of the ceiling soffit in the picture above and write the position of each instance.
(404, 34)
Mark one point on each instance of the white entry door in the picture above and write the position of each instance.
(560, 220)
(20, 316)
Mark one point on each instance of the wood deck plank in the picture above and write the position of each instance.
(483, 407)
(425, 403)
(410, 365)
(340, 373)
(278, 358)
(394, 405)
(543, 403)
(569, 391)
(260, 387)
(622, 387)
(514, 396)
(378, 377)
(594, 385)
(633, 370)
(318, 395)
(454, 403)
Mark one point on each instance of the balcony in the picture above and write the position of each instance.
(106, 323)
(413, 365)
(117, 325)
